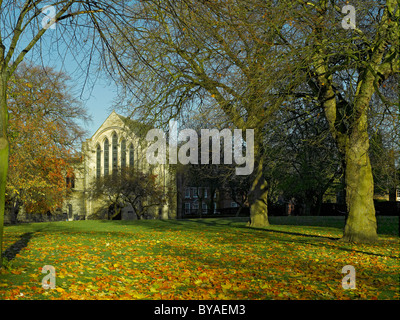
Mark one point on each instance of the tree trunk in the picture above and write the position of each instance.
(4, 149)
(258, 199)
(318, 206)
(15, 205)
(139, 210)
(117, 211)
(353, 144)
(361, 221)
(211, 202)
(239, 211)
(200, 208)
(3, 180)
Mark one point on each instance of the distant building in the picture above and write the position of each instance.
(394, 194)
(119, 142)
(194, 200)
(116, 144)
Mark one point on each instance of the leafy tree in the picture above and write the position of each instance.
(41, 147)
(81, 29)
(247, 58)
(109, 189)
(129, 186)
(344, 69)
(383, 162)
(207, 176)
(302, 161)
(384, 132)
(238, 188)
(216, 56)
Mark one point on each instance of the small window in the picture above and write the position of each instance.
(187, 207)
(187, 193)
(234, 205)
(195, 206)
(70, 181)
(194, 192)
(205, 193)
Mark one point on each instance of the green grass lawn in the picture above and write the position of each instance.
(295, 258)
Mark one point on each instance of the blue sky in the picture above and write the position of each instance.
(97, 97)
(99, 105)
(98, 93)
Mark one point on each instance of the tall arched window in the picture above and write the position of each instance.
(123, 153)
(131, 155)
(114, 152)
(106, 156)
(70, 213)
(98, 161)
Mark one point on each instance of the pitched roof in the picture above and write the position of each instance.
(136, 127)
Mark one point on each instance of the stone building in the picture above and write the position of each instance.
(118, 143)
(208, 199)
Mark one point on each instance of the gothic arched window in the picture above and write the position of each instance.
(131, 155)
(98, 161)
(123, 153)
(106, 156)
(114, 152)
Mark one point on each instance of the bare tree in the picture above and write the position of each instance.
(220, 58)
(344, 68)
(246, 58)
(80, 28)
(129, 186)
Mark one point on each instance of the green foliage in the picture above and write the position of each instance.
(141, 190)
(43, 136)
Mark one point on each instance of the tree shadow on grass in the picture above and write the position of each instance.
(235, 223)
(17, 246)
(322, 240)
(11, 252)
(330, 242)
(293, 233)
(216, 225)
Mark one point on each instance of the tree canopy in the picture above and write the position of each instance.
(248, 58)
(43, 146)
